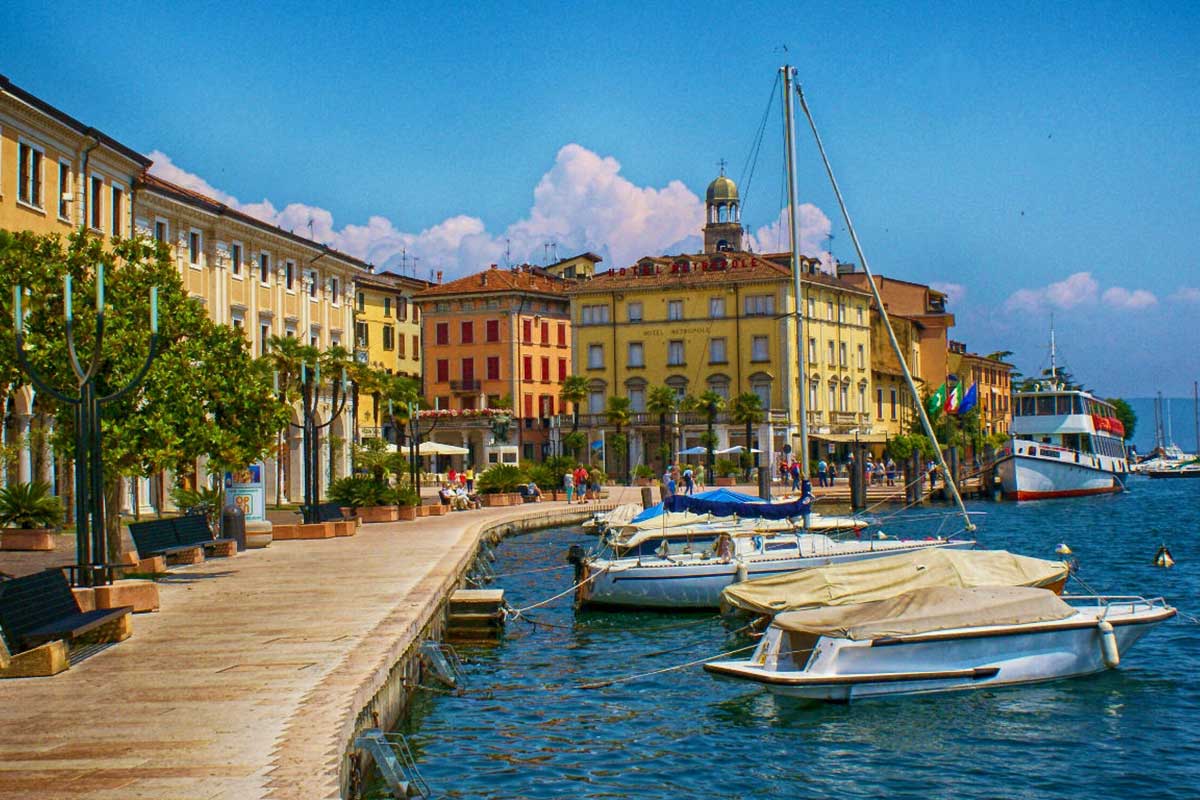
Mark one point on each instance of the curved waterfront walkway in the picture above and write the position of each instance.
(247, 683)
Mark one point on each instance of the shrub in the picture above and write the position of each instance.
(360, 491)
(643, 471)
(559, 466)
(501, 478)
(406, 496)
(203, 500)
(726, 468)
(29, 506)
(542, 475)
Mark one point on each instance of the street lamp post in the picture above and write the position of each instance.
(310, 391)
(90, 537)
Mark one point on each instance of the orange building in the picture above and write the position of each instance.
(993, 380)
(498, 339)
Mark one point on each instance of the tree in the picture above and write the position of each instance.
(1126, 414)
(574, 391)
(746, 409)
(204, 395)
(709, 404)
(663, 401)
(619, 413)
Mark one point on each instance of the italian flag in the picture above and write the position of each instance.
(936, 400)
(954, 398)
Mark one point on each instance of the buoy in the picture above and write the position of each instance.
(1108, 644)
(881, 535)
(741, 573)
(1062, 549)
(1163, 557)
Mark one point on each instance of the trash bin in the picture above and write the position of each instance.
(233, 525)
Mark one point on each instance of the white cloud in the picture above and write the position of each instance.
(955, 292)
(582, 203)
(1078, 289)
(1186, 294)
(1120, 297)
(814, 228)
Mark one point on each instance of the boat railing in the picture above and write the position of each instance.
(1113, 603)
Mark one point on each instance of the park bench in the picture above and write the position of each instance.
(192, 529)
(332, 512)
(38, 608)
(157, 537)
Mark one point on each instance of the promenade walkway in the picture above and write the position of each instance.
(246, 683)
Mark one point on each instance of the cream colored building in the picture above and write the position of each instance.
(387, 336)
(57, 175)
(267, 282)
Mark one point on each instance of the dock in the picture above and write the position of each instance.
(253, 678)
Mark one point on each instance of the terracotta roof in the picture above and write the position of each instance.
(497, 281)
(194, 198)
(391, 280)
(705, 269)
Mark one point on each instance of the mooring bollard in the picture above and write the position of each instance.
(647, 496)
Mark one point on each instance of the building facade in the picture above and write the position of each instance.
(266, 282)
(498, 340)
(58, 175)
(992, 378)
(387, 336)
(724, 320)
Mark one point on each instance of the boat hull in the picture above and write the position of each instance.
(842, 670)
(1035, 478)
(659, 585)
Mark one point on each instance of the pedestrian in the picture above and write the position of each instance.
(569, 485)
(783, 470)
(795, 476)
(699, 476)
(581, 478)
(822, 469)
(929, 467)
(689, 481)
(833, 470)
(891, 472)
(470, 479)
(671, 486)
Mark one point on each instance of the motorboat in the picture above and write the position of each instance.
(892, 575)
(939, 639)
(694, 577)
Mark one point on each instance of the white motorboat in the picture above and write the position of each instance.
(695, 579)
(944, 639)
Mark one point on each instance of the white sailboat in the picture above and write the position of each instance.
(695, 578)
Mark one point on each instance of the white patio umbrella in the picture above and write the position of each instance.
(693, 451)
(737, 448)
(439, 449)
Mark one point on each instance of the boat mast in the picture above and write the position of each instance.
(1196, 413)
(787, 73)
(887, 323)
(1053, 365)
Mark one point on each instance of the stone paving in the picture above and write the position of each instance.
(245, 685)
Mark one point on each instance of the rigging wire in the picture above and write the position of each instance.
(752, 157)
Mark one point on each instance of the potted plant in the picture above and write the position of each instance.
(643, 475)
(29, 512)
(726, 472)
(407, 501)
(498, 485)
(371, 498)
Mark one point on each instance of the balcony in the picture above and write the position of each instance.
(466, 387)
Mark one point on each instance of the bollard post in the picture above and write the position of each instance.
(647, 496)
(918, 483)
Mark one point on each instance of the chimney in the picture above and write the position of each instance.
(483, 279)
(439, 276)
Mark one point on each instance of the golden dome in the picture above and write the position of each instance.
(722, 190)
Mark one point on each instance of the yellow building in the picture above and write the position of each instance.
(387, 336)
(266, 281)
(893, 411)
(57, 175)
(724, 320)
(993, 385)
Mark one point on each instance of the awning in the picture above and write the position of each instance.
(851, 438)
(737, 448)
(693, 451)
(439, 449)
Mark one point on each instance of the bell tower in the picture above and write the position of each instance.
(723, 226)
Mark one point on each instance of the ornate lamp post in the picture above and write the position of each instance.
(310, 390)
(90, 538)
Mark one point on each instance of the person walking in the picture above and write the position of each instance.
(569, 486)
(891, 472)
(822, 468)
(699, 476)
(795, 476)
(470, 474)
(689, 481)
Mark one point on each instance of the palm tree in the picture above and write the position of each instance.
(574, 390)
(747, 409)
(619, 413)
(710, 404)
(663, 401)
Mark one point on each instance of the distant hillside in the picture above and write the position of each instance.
(1183, 424)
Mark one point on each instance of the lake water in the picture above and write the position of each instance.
(524, 730)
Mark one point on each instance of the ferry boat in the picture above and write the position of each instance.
(1065, 443)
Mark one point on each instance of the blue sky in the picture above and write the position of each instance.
(1032, 158)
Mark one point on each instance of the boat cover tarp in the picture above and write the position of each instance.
(721, 495)
(880, 578)
(723, 508)
(934, 608)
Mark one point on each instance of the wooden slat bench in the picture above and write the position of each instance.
(193, 529)
(332, 513)
(38, 608)
(157, 537)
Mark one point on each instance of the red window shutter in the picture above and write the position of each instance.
(493, 330)
(562, 333)
(528, 365)
(528, 405)
(443, 333)
(562, 370)
(545, 333)
(468, 333)
(443, 370)
(527, 328)
(493, 368)
(545, 368)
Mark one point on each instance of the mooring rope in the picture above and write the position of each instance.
(610, 682)
(517, 612)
